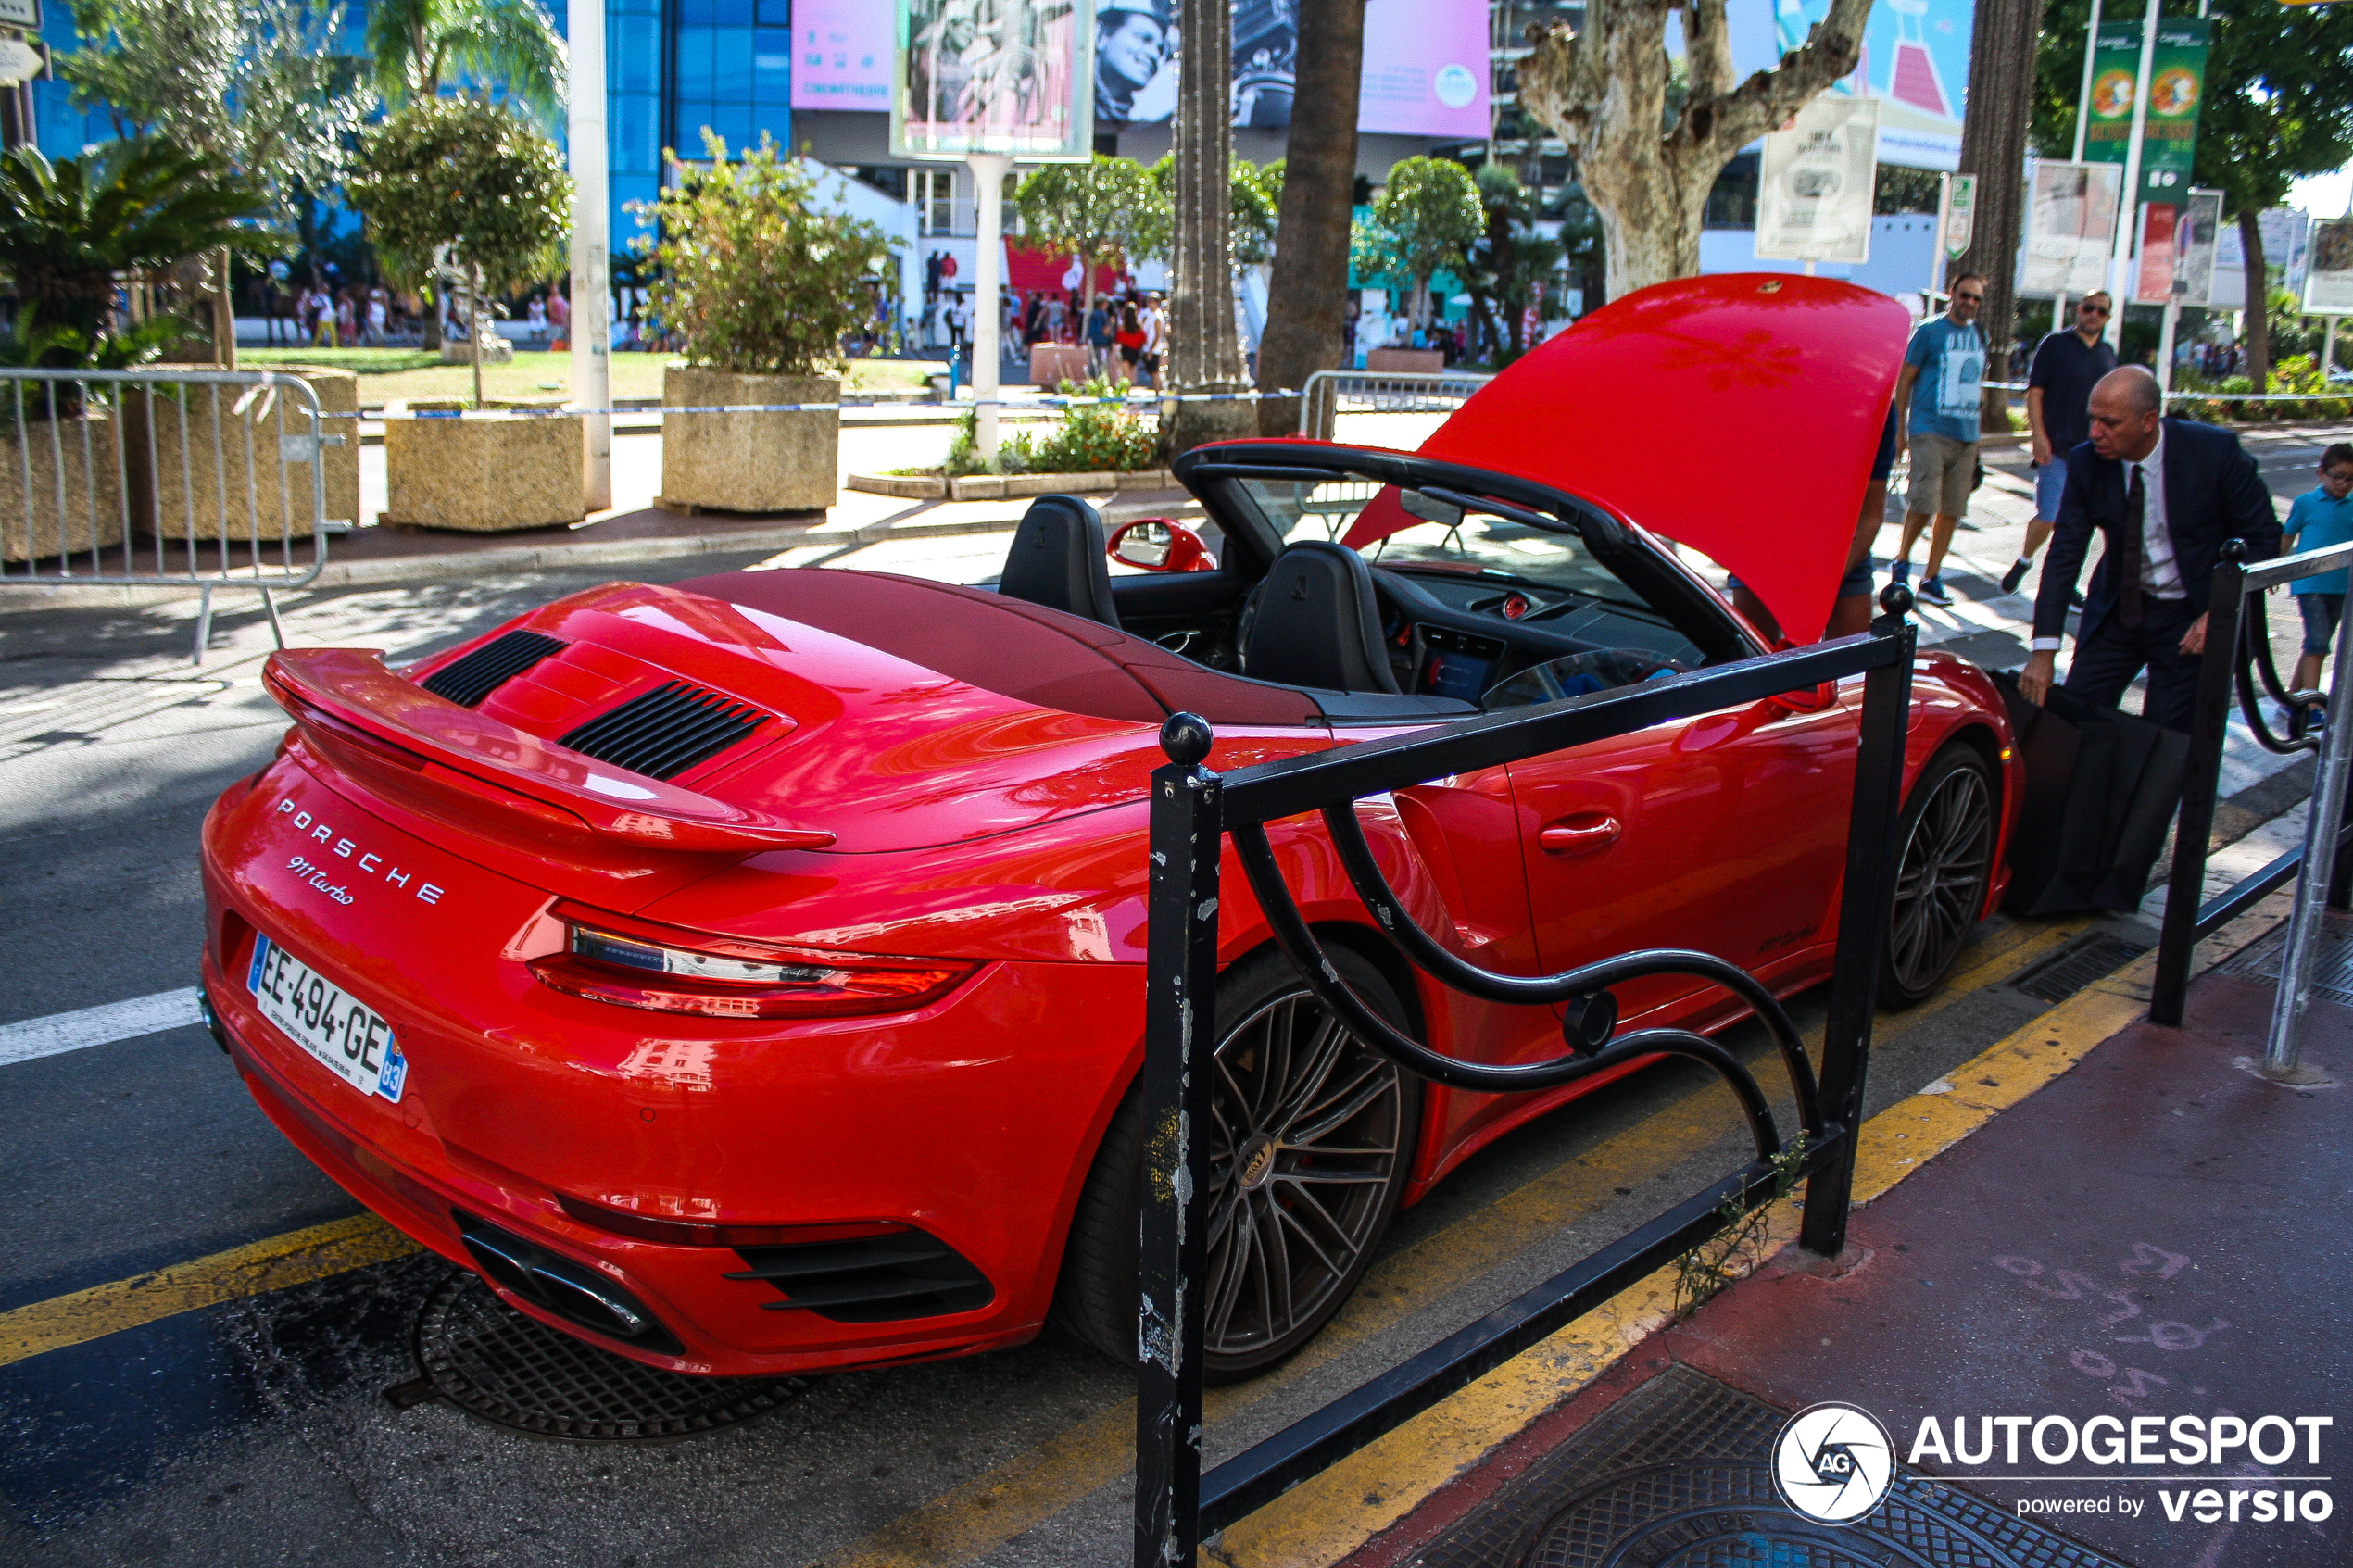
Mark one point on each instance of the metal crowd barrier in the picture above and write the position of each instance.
(2238, 652)
(1380, 392)
(140, 478)
(1193, 811)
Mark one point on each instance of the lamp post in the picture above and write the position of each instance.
(591, 264)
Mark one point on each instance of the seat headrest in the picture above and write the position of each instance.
(1057, 559)
(1317, 623)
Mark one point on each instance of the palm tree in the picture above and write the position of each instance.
(419, 45)
(69, 229)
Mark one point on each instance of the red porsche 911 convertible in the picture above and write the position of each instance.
(747, 974)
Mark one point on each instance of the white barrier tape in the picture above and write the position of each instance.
(2345, 396)
(1139, 404)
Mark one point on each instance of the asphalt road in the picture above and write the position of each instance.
(254, 1431)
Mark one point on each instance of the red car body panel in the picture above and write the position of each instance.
(888, 806)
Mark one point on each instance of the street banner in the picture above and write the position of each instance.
(2195, 237)
(2328, 275)
(2177, 85)
(2153, 275)
(2070, 227)
(1815, 184)
(1956, 219)
(1006, 78)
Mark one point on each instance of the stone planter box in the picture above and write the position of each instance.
(484, 474)
(1421, 360)
(1006, 487)
(92, 511)
(770, 462)
(181, 497)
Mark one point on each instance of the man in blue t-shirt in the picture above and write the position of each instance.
(2317, 520)
(1940, 389)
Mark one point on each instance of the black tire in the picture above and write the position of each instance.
(1943, 860)
(1322, 1244)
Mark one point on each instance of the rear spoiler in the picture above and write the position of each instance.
(357, 712)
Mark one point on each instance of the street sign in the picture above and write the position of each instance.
(1008, 79)
(25, 14)
(19, 61)
(1815, 181)
(2177, 84)
(2328, 277)
(1960, 214)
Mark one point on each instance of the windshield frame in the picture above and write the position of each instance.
(1214, 474)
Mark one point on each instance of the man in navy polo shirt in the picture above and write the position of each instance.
(2058, 407)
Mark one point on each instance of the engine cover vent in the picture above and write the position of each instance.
(665, 731)
(877, 1279)
(471, 679)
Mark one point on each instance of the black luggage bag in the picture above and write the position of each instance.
(2101, 788)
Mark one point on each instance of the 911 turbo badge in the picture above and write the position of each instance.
(364, 863)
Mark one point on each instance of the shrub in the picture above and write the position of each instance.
(1100, 436)
(755, 276)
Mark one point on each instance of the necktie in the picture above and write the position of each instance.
(2127, 551)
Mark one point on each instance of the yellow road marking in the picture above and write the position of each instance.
(260, 1266)
(1323, 1520)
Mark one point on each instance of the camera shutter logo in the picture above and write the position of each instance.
(1833, 1463)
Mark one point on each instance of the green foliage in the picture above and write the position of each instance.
(1504, 267)
(1102, 433)
(1254, 199)
(1109, 212)
(2278, 95)
(258, 86)
(510, 46)
(68, 228)
(2298, 373)
(755, 276)
(1424, 218)
(1739, 1247)
(469, 175)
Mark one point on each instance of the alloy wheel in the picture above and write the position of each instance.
(1303, 1153)
(1940, 886)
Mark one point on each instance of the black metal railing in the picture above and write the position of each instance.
(2237, 662)
(1194, 810)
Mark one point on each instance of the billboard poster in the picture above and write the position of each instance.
(1913, 63)
(2193, 247)
(992, 76)
(2154, 269)
(2328, 274)
(1815, 184)
(841, 55)
(2070, 227)
(1425, 70)
(2177, 85)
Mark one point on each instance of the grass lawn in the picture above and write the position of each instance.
(387, 373)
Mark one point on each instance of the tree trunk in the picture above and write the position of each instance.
(1605, 92)
(2001, 103)
(1306, 317)
(474, 330)
(224, 317)
(2258, 300)
(430, 324)
(1204, 353)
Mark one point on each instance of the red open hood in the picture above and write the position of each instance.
(1738, 414)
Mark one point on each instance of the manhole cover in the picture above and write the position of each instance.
(1675, 1475)
(489, 1360)
(2081, 962)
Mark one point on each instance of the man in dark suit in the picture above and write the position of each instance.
(2164, 494)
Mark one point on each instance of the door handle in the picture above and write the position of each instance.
(1579, 836)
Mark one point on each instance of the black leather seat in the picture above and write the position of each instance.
(1317, 624)
(1057, 559)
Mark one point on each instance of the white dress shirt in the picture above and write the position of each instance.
(2161, 574)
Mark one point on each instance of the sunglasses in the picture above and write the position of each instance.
(2092, 310)
(1969, 298)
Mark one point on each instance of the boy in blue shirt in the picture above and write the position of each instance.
(1939, 388)
(2319, 519)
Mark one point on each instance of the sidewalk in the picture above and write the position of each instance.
(2154, 1233)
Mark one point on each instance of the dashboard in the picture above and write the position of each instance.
(1462, 634)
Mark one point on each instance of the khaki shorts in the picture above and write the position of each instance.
(1943, 469)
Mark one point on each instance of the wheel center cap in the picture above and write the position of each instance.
(1257, 1161)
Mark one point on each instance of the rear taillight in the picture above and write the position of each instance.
(682, 972)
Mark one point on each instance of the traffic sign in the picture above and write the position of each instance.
(25, 14)
(19, 61)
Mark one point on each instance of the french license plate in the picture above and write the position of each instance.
(350, 1039)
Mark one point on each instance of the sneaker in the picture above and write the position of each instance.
(2015, 575)
(1931, 590)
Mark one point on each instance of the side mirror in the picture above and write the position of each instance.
(1806, 700)
(1159, 543)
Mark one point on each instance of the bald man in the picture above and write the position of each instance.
(2164, 494)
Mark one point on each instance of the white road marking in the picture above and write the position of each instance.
(62, 1032)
